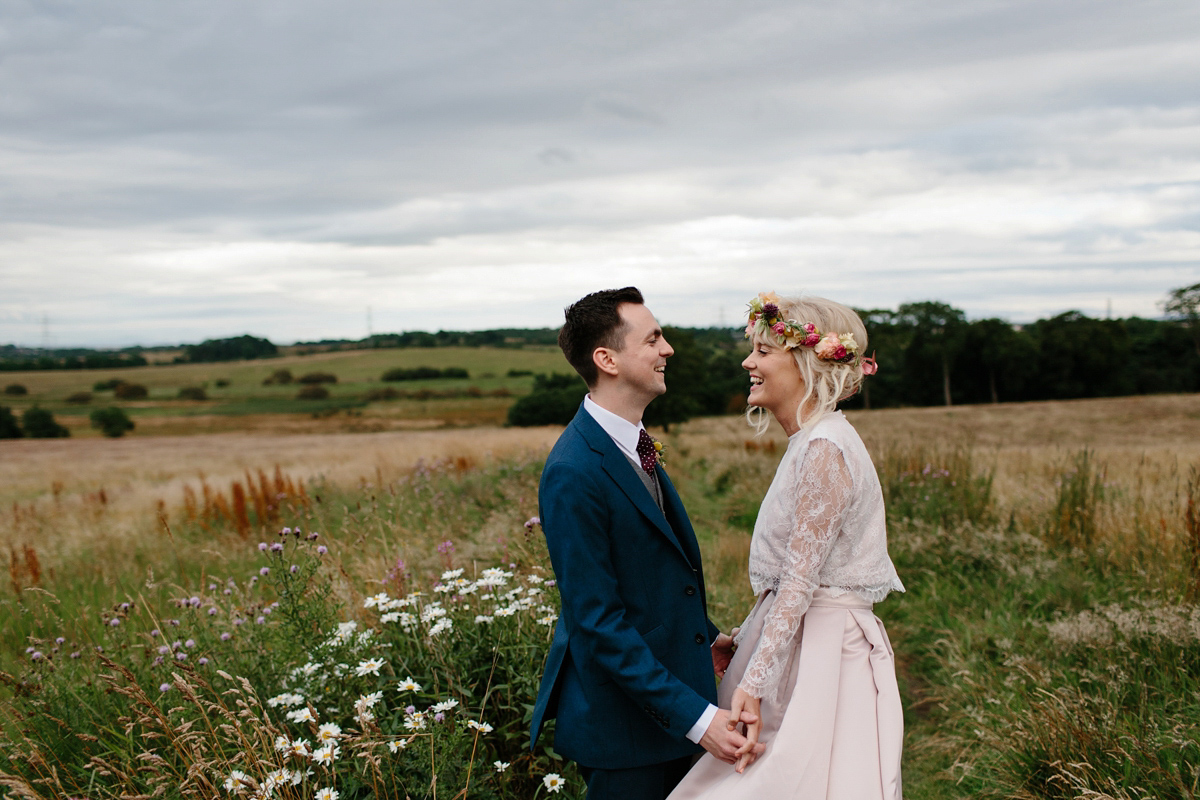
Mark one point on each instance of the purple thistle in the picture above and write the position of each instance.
(164, 687)
(322, 550)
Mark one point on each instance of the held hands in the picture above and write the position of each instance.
(744, 706)
(723, 740)
(722, 654)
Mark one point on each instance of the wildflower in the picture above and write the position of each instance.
(164, 687)
(328, 732)
(275, 778)
(299, 747)
(75, 654)
(326, 755)
(285, 531)
(265, 571)
(282, 745)
(236, 782)
(114, 622)
(212, 611)
(445, 705)
(260, 620)
(326, 794)
(415, 721)
(482, 618)
(451, 574)
(276, 547)
(553, 782)
(391, 616)
(439, 717)
(293, 569)
(226, 636)
(202, 661)
(410, 709)
(507, 611)
(310, 668)
(432, 612)
(501, 765)
(531, 522)
(189, 644)
(262, 547)
(304, 714)
(368, 700)
(396, 745)
(549, 619)
(181, 656)
(239, 622)
(446, 547)
(409, 685)
(154, 633)
(322, 549)
(482, 727)
(552, 582)
(376, 600)
(370, 666)
(163, 650)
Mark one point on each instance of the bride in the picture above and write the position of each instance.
(813, 662)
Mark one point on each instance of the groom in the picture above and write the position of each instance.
(629, 675)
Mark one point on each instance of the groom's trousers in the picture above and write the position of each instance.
(653, 782)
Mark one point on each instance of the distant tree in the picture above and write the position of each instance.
(130, 391)
(112, 421)
(995, 361)
(106, 386)
(40, 424)
(279, 376)
(554, 400)
(1081, 357)
(686, 376)
(15, 389)
(1184, 303)
(317, 377)
(937, 336)
(9, 427)
(414, 374)
(193, 393)
(313, 391)
(236, 348)
(80, 398)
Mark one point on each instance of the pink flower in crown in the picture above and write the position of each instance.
(840, 353)
(770, 310)
(812, 338)
(779, 328)
(828, 347)
(809, 327)
(750, 328)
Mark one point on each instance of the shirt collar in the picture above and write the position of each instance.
(621, 430)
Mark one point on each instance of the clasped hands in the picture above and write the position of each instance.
(723, 738)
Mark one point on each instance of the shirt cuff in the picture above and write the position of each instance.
(697, 731)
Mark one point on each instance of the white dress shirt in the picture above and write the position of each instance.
(625, 434)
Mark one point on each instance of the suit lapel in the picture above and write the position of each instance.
(621, 471)
(677, 518)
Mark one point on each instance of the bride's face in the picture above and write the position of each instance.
(775, 383)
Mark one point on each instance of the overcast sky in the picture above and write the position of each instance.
(175, 171)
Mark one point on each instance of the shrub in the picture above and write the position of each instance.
(421, 373)
(80, 398)
(130, 391)
(235, 348)
(40, 424)
(519, 373)
(554, 401)
(280, 376)
(222, 383)
(455, 372)
(313, 392)
(106, 386)
(387, 393)
(192, 393)
(318, 377)
(15, 389)
(501, 392)
(112, 421)
(9, 427)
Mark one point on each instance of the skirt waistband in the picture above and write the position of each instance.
(825, 598)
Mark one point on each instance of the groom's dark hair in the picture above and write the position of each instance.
(594, 321)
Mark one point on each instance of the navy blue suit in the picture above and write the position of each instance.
(629, 671)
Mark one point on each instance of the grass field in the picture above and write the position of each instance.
(275, 408)
(1049, 641)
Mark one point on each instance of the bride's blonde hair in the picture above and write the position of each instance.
(826, 383)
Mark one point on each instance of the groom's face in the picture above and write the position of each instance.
(642, 362)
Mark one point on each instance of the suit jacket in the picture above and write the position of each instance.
(629, 670)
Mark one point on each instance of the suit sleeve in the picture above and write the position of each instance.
(575, 518)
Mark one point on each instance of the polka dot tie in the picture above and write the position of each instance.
(646, 451)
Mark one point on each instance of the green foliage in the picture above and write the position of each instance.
(9, 427)
(281, 377)
(935, 487)
(237, 348)
(313, 392)
(130, 391)
(79, 398)
(15, 390)
(554, 401)
(193, 393)
(13, 359)
(112, 421)
(317, 377)
(425, 373)
(40, 424)
(106, 385)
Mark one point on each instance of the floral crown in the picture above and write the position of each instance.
(766, 320)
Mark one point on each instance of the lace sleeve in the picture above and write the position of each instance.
(822, 494)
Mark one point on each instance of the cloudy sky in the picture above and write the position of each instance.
(174, 171)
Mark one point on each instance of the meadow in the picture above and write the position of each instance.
(1049, 640)
(239, 401)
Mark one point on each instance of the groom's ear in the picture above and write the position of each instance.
(603, 358)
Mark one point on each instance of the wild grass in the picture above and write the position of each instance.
(1049, 640)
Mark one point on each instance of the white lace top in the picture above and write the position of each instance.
(821, 524)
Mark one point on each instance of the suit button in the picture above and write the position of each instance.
(700, 638)
(689, 591)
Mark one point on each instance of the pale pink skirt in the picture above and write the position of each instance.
(837, 727)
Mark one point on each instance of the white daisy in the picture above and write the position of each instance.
(445, 705)
(482, 727)
(326, 755)
(501, 765)
(553, 782)
(236, 782)
(369, 667)
(299, 747)
(451, 574)
(391, 616)
(409, 685)
(549, 619)
(328, 732)
(300, 715)
(326, 794)
(396, 745)
(440, 626)
(481, 619)
(376, 600)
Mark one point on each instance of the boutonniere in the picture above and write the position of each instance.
(659, 451)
